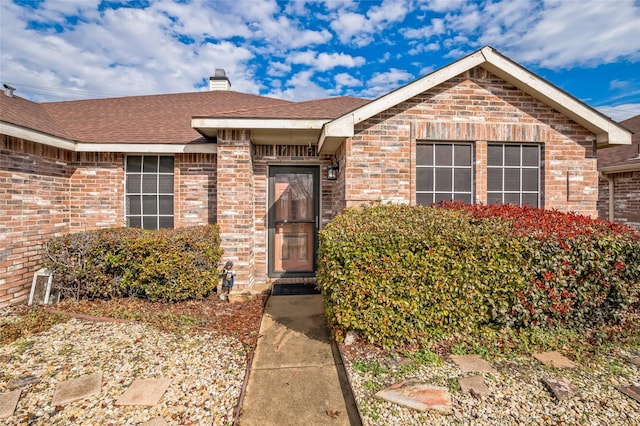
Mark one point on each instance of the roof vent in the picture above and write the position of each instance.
(8, 90)
(219, 81)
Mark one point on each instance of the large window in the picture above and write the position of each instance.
(513, 174)
(149, 191)
(444, 172)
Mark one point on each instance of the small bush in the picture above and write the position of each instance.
(165, 265)
(397, 274)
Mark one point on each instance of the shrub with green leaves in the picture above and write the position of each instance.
(397, 274)
(165, 265)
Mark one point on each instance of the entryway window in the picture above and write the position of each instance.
(444, 172)
(149, 191)
(513, 174)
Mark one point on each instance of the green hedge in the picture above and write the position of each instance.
(164, 265)
(397, 274)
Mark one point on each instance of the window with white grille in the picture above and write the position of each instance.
(149, 191)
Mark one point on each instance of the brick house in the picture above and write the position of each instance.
(619, 190)
(271, 172)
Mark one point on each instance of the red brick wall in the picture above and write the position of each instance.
(96, 191)
(47, 192)
(626, 190)
(479, 107)
(34, 206)
(195, 189)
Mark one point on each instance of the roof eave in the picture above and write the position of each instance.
(620, 168)
(123, 147)
(607, 131)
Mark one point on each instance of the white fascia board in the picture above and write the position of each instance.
(31, 135)
(148, 148)
(254, 123)
(621, 168)
(343, 126)
(44, 139)
(606, 130)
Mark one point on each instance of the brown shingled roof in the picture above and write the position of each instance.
(148, 119)
(623, 155)
(31, 115)
(327, 108)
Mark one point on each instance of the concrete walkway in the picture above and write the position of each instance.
(297, 376)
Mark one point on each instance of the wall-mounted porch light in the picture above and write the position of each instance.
(333, 169)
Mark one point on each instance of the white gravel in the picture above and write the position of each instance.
(206, 372)
(518, 396)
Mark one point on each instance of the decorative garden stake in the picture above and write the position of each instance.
(227, 275)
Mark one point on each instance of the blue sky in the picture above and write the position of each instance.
(77, 49)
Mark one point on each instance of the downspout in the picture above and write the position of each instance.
(611, 196)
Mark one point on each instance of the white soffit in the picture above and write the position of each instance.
(45, 139)
(606, 130)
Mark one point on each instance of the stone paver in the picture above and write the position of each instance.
(8, 403)
(419, 396)
(561, 388)
(474, 385)
(632, 391)
(146, 392)
(554, 359)
(74, 389)
(472, 364)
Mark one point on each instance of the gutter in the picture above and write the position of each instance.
(610, 181)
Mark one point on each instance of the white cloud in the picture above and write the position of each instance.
(302, 58)
(381, 83)
(278, 69)
(344, 79)
(441, 5)
(301, 87)
(326, 61)
(359, 29)
(620, 85)
(620, 112)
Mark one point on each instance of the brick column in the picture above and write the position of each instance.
(235, 206)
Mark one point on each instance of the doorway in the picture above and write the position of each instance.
(293, 219)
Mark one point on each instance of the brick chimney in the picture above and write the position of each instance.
(219, 81)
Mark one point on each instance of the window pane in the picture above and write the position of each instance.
(134, 163)
(510, 198)
(424, 155)
(512, 179)
(133, 204)
(166, 165)
(149, 204)
(530, 199)
(443, 196)
(165, 222)
(424, 199)
(424, 179)
(462, 155)
(530, 155)
(462, 180)
(443, 179)
(150, 164)
(494, 155)
(166, 184)
(166, 204)
(494, 179)
(134, 221)
(443, 155)
(494, 197)
(149, 184)
(149, 222)
(529, 179)
(464, 198)
(512, 155)
(133, 184)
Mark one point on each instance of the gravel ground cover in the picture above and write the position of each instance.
(206, 362)
(518, 395)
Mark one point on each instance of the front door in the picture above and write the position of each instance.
(293, 220)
